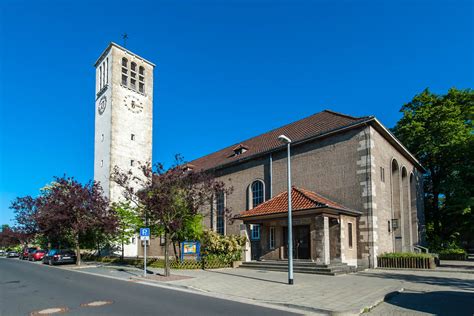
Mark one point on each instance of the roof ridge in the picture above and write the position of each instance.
(344, 115)
(303, 192)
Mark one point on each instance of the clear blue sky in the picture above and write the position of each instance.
(226, 70)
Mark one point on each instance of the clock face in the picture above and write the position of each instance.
(133, 104)
(102, 105)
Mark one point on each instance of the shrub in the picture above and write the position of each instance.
(452, 254)
(405, 255)
(216, 247)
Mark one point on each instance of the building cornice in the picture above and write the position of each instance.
(106, 51)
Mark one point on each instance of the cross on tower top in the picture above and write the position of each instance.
(125, 38)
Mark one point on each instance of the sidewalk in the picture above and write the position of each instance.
(351, 294)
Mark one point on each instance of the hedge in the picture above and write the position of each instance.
(406, 261)
(452, 254)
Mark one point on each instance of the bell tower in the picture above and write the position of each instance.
(123, 117)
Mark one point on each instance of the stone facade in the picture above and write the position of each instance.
(123, 119)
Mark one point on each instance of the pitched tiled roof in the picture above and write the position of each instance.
(314, 125)
(301, 200)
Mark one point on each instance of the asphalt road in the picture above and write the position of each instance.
(27, 287)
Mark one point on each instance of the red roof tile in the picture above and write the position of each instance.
(316, 124)
(301, 199)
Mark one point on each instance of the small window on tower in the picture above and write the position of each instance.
(102, 138)
(101, 163)
(132, 163)
(141, 87)
(124, 62)
(141, 71)
(124, 80)
(132, 137)
(134, 66)
(133, 83)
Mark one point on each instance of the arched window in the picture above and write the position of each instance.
(124, 71)
(257, 193)
(220, 206)
(141, 79)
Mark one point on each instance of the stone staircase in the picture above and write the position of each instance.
(300, 266)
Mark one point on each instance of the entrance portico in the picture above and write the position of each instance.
(323, 231)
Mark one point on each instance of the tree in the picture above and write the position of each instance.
(9, 237)
(26, 209)
(438, 130)
(169, 198)
(74, 210)
(128, 222)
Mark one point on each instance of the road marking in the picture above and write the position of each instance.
(96, 303)
(49, 311)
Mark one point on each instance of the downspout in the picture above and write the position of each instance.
(368, 179)
(271, 176)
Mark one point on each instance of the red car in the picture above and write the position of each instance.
(36, 255)
(24, 254)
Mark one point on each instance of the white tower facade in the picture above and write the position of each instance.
(123, 119)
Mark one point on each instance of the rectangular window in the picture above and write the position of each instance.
(124, 80)
(272, 238)
(382, 174)
(255, 232)
(102, 138)
(132, 137)
(220, 205)
(132, 163)
(349, 233)
(101, 163)
(389, 227)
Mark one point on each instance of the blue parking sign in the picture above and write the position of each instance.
(144, 233)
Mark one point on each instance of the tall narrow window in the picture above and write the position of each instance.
(382, 174)
(107, 70)
(103, 74)
(100, 77)
(272, 238)
(132, 163)
(124, 71)
(257, 193)
(141, 79)
(132, 137)
(220, 205)
(349, 233)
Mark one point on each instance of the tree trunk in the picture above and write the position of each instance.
(78, 252)
(122, 247)
(175, 251)
(167, 259)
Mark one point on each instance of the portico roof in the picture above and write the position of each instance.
(301, 200)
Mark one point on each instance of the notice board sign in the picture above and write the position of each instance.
(191, 248)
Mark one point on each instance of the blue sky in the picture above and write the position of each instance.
(226, 70)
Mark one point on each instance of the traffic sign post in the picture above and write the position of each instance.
(145, 236)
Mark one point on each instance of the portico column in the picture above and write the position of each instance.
(322, 239)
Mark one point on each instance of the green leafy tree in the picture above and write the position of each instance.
(438, 130)
(129, 222)
(169, 197)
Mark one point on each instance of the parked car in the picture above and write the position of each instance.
(3, 252)
(58, 256)
(36, 255)
(12, 254)
(25, 252)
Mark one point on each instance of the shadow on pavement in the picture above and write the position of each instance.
(438, 303)
(462, 284)
(245, 277)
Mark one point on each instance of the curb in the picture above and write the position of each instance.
(386, 297)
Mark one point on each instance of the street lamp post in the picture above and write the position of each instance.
(284, 139)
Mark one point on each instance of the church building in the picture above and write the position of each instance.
(357, 191)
